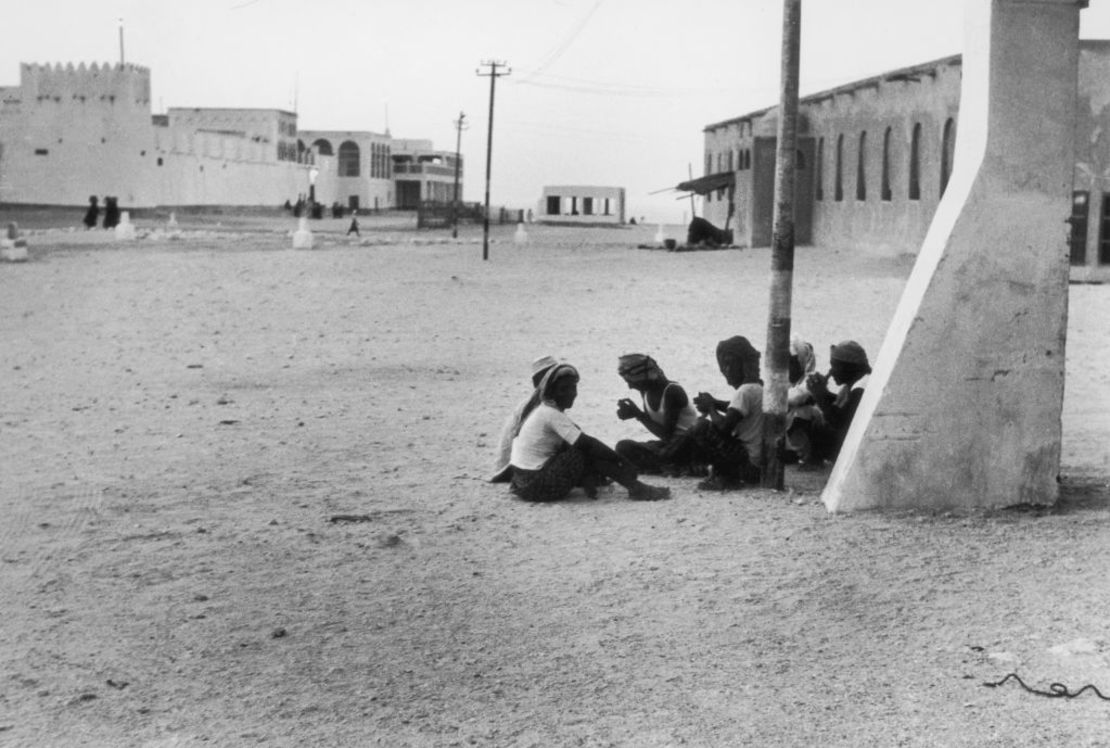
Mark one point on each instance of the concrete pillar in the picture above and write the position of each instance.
(963, 408)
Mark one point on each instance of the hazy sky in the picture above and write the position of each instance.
(606, 92)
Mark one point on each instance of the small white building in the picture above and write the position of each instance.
(579, 204)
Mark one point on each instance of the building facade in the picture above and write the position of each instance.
(68, 133)
(423, 174)
(581, 204)
(353, 168)
(875, 156)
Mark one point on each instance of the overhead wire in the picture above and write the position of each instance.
(551, 57)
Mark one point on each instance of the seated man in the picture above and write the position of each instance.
(848, 367)
(802, 413)
(502, 470)
(667, 414)
(730, 437)
(551, 455)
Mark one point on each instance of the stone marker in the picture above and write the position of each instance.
(659, 237)
(125, 230)
(521, 236)
(302, 237)
(13, 247)
(173, 231)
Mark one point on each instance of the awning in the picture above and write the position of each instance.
(708, 183)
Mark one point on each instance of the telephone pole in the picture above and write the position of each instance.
(460, 125)
(782, 254)
(493, 75)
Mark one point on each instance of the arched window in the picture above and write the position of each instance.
(861, 167)
(819, 171)
(915, 163)
(838, 186)
(323, 147)
(947, 150)
(348, 159)
(885, 187)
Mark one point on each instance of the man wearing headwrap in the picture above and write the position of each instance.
(667, 414)
(730, 436)
(848, 367)
(551, 455)
(502, 470)
(802, 413)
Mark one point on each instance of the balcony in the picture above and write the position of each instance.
(418, 168)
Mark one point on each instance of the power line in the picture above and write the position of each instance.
(551, 57)
(603, 89)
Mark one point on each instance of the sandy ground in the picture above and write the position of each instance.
(180, 421)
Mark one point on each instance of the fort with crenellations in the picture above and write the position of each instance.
(68, 132)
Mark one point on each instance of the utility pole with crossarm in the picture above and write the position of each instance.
(493, 75)
(460, 125)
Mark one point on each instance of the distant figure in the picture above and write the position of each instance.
(111, 212)
(353, 228)
(92, 215)
(632, 220)
(298, 209)
(288, 205)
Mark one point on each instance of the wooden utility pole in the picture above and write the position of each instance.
(782, 255)
(493, 75)
(460, 125)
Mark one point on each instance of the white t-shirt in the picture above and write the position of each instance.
(748, 399)
(544, 431)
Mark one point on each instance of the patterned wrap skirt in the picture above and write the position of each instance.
(554, 480)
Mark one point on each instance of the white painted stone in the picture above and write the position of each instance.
(13, 247)
(302, 237)
(125, 230)
(963, 408)
(1075, 647)
(659, 237)
(1003, 658)
(521, 236)
(13, 251)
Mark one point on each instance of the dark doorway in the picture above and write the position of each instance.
(1104, 233)
(763, 191)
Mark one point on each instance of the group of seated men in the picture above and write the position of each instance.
(543, 454)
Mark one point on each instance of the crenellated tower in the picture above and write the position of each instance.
(127, 85)
(70, 131)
